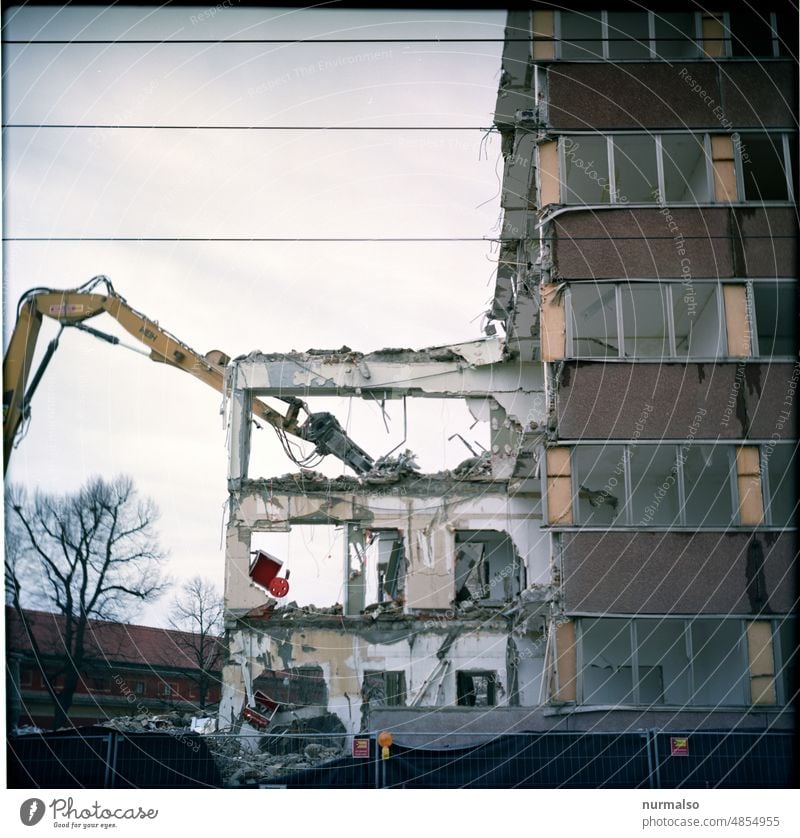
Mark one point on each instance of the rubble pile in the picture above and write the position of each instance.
(240, 759)
(145, 722)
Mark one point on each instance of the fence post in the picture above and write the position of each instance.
(107, 778)
(377, 763)
(654, 733)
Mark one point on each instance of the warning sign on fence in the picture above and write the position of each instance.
(361, 748)
(679, 746)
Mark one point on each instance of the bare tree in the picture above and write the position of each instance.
(89, 555)
(197, 612)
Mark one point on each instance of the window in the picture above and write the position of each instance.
(476, 689)
(689, 485)
(168, 689)
(662, 661)
(750, 33)
(775, 318)
(139, 687)
(26, 677)
(658, 320)
(384, 689)
(675, 168)
(709, 480)
(488, 569)
(779, 463)
(581, 35)
(764, 167)
(632, 36)
(686, 175)
(586, 179)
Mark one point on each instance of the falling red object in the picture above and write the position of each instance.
(264, 573)
(279, 587)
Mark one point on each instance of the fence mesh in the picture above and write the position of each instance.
(99, 758)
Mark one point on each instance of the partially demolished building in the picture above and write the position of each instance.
(624, 554)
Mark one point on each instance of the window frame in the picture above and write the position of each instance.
(741, 650)
(626, 506)
(669, 286)
(493, 684)
(766, 488)
(657, 137)
(651, 43)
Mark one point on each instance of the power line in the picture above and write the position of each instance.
(356, 239)
(143, 127)
(251, 239)
(164, 41)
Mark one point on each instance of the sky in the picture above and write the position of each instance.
(105, 410)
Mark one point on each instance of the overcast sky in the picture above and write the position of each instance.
(105, 410)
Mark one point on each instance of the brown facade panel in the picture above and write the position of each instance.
(679, 573)
(728, 400)
(618, 96)
(643, 243)
(765, 241)
(758, 95)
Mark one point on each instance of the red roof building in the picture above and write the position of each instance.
(128, 670)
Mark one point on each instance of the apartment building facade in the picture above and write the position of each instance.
(649, 261)
(622, 556)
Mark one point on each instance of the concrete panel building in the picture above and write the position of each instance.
(623, 554)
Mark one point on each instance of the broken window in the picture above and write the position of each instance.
(599, 483)
(673, 168)
(384, 688)
(691, 485)
(685, 167)
(662, 661)
(776, 318)
(631, 36)
(709, 480)
(781, 471)
(764, 167)
(698, 326)
(607, 661)
(488, 568)
(476, 688)
(719, 662)
(750, 33)
(385, 566)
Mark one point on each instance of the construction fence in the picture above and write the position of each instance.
(648, 759)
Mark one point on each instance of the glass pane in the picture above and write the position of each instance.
(698, 329)
(593, 310)
(782, 476)
(654, 485)
(586, 175)
(718, 662)
(685, 168)
(762, 162)
(675, 32)
(607, 667)
(644, 320)
(635, 168)
(707, 483)
(662, 650)
(581, 35)
(628, 35)
(600, 476)
(776, 317)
